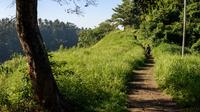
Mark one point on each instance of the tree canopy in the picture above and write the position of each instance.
(126, 14)
(160, 20)
(88, 37)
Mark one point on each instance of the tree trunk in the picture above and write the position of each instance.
(43, 83)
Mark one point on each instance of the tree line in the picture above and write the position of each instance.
(155, 22)
(89, 36)
(55, 33)
(158, 21)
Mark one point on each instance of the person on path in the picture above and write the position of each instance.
(148, 51)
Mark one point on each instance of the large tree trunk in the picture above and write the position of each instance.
(43, 83)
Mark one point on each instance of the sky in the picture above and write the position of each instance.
(47, 9)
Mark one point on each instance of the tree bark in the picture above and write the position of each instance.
(43, 83)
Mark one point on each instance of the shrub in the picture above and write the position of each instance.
(196, 46)
(165, 48)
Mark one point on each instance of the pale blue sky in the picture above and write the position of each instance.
(93, 15)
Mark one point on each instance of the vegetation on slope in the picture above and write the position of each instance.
(178, 76)
(89, 37)
(93, 79)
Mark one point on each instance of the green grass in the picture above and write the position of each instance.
(179, 77)
(94, 79)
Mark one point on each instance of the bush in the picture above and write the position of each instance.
(196, 46)
(89, 37)
(165, 48)
(16, 93)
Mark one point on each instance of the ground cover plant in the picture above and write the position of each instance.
(93, 79)
(178, 76)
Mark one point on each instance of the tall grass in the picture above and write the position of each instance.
(93, 79)
(180, 77)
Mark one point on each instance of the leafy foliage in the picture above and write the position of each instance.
(196, 46)
(16, 92)
(127, 14)
(88, 37)
(164, 23)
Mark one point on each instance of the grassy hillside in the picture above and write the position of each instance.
(180, 77)
(94, 79)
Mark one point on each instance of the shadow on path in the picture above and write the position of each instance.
(144, 95)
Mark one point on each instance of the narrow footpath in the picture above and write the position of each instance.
(144, 95)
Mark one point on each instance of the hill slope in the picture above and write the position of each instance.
(94, 79)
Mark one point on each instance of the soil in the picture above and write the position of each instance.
(144, 94)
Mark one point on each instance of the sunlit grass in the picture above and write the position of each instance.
(94, 79)
(178, 76)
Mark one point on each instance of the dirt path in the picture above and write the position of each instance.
(144, 95)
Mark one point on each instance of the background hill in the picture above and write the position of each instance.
(93, 79)
(55, 33)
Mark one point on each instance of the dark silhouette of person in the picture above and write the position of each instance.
(148, 50)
